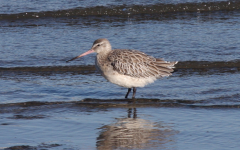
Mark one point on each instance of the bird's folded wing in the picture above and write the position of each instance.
(138, 64)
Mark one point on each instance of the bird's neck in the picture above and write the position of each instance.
(102, 57)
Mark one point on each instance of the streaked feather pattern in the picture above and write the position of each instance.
(138, 64)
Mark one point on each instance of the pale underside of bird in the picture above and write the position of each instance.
(128, 68)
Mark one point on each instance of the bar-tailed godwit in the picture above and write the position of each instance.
(128, 68)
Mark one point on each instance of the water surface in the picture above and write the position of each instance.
(46, 103)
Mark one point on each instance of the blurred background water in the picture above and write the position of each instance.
(46, 103)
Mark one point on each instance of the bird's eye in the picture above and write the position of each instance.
(98, 45)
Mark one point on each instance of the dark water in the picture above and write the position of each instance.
(46, 103)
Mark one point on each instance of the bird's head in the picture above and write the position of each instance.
(99, 46)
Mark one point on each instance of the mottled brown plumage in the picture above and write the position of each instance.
(138, 64)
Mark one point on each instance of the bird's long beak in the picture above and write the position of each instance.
(88, 52)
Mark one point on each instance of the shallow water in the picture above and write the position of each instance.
(46, 103)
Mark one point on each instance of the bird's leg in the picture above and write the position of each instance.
(129, 90)
(134, 92)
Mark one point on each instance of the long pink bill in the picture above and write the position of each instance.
(88, 52)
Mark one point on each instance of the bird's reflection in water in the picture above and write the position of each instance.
(135, 133)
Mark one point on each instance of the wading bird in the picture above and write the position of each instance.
(127, 68)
